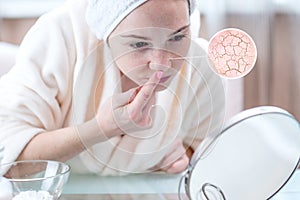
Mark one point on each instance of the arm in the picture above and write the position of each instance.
(62, 144)
(35, 94)
(70, 141)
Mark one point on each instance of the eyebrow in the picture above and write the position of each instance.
(146, 38)
(135, 36)
(181, 29)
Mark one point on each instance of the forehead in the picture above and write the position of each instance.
(169, 14)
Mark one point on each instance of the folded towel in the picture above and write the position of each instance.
(104, 15)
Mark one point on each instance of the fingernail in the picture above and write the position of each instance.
(159, 74)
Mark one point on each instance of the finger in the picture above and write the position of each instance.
(148, 115)
(175, 153)
(132, 97)
(149, 105)
(179, 166)
(146, 91)
(122, 99)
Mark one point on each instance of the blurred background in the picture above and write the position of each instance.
(275, 27)
(273, 24)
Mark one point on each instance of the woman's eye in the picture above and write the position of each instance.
(138, 45)
(177, 38)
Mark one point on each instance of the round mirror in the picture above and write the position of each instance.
(252, 158)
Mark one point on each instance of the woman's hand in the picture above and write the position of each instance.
(176, 160)
(130, 111)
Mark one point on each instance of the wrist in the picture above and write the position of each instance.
(108, 128)
(91, 133)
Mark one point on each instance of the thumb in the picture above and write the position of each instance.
(123, 99)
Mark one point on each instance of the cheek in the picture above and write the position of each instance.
(124, 64)
(177, 65)
(130, 62)
(179, 49)
(133, 66)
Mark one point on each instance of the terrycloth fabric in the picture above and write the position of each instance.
(60, 67)
(104, 15)
(7, 56)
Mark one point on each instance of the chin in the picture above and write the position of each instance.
(164, 85)
(160, 88)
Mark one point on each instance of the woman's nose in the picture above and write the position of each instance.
(160, 60)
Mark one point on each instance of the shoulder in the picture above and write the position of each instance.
(65, 16)
(64, 26)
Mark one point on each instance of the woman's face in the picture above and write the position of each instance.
(152, 38)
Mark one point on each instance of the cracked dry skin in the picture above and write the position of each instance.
(232, 53)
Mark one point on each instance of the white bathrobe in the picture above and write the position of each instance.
(63, 75)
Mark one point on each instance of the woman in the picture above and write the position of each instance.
(110, 89)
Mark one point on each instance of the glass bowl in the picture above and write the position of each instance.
(33, 179)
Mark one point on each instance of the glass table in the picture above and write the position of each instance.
(122, 197)
(146, 187)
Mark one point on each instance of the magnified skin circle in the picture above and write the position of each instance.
(232, 53)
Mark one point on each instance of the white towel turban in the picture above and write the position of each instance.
(104, 15)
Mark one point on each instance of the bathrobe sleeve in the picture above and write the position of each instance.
(35, 95)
